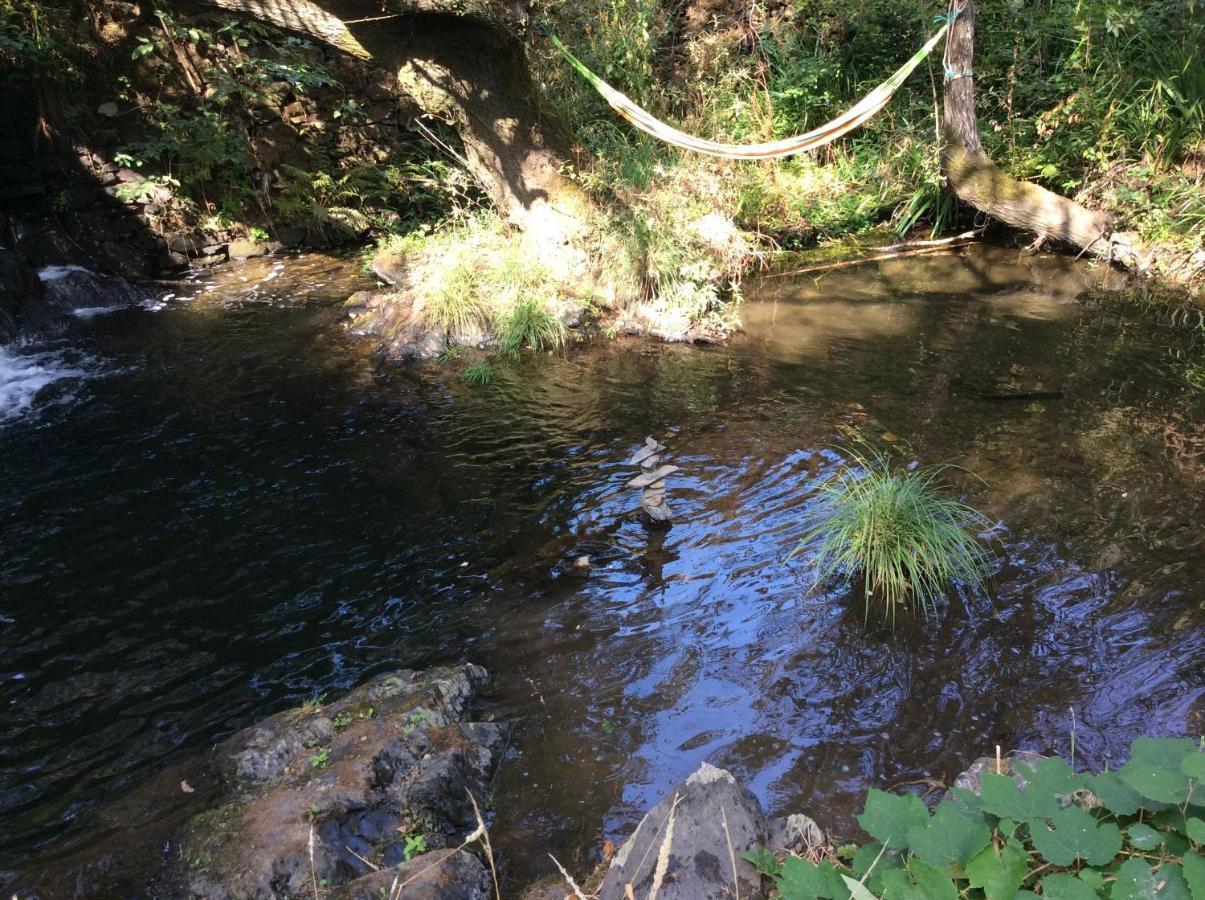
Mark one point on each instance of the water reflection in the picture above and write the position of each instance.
(252, 512)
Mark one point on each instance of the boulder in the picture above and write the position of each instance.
(341, 794)
(692, 843)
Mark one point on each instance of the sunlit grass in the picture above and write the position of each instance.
(479, 373)
(530, 324)
(898, 531)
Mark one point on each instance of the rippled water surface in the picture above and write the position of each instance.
(248, 509)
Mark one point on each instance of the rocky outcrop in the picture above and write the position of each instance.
(360, 797)
(352, 795)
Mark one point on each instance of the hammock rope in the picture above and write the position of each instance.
(856, 116)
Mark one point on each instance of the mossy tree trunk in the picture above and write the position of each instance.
(462, 61)
(976, 179)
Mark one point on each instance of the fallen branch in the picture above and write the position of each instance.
(894, 251)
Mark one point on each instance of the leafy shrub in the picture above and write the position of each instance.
(898, 532)
(1130, 834)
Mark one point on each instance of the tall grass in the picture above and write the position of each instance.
(531, 324)
(899, 532)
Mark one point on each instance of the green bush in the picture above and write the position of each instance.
(898, 532)
(1132, 834)
(529, 323)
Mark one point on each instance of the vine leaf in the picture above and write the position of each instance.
(1074, 834)
(948, 838)
(919, 881)
(1194, 873)
(1117, 796)
(999, 875)
(1135, 881)
(1001, 797)
(803, 880)
(1066, 887)
(888, 817)
(1052, 775)
(1143, 836)
(1195, 829)
(1193, 765)
(1154, 769)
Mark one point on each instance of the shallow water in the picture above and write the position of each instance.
(248, 510)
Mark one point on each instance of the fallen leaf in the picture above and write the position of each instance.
(608, 849)
(186, 787)
(889, 437)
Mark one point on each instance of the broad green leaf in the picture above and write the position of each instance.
(919, 881)
(1002, 797)
(1052, 776)
(888, 817)
(1194, 874)
(1117, 796)
(1193, 765)
(1136, 881)
(999, 875)
(857, 890)
(1092, 878)
(948, 837)
(1143, 836)
(1066, 887)
(871, 859)
(1074, 834)
(763, 860)
(803, 880)
(1195, 829)
(1154, 769)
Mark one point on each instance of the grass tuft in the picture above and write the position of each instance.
(479, 373)
(898, 531)
(531, 324)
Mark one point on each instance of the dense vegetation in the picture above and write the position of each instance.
(1099, 100)
(1130, 834)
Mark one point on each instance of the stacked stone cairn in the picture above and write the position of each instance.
(651, 479)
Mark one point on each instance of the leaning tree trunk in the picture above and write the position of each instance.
(976, 180)
(462, 61)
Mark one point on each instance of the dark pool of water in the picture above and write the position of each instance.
(239, 509)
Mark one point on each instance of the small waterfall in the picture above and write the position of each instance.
(74, 290)
(23, 375)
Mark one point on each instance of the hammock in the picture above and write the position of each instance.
(818, 137)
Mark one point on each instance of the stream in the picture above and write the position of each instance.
(219, 506)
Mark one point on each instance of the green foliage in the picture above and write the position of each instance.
(479, 373)
(898, 532)
(530, 324)
(414, 845)
(1071, 843)
(320, 758)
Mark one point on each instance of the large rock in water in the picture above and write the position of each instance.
(693, 837)
(336, 795)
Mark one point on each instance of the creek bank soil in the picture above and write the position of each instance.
(350, 795)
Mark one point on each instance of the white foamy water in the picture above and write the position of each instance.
(23, 375)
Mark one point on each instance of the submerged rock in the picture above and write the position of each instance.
(691, 843)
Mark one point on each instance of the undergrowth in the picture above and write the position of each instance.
(1132, 834)
(898, 532)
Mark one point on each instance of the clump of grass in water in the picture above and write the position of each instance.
(899, 531)
(479, 373)
(529, 323)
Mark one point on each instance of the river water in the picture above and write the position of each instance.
(225, 506)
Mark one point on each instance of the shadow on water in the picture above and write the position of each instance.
(245, 512)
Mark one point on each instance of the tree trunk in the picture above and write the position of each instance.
(976, 180)
(462, 61)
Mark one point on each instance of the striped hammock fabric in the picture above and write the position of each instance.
(817, 137)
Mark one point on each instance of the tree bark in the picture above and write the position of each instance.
(462, 61)
(976, 180)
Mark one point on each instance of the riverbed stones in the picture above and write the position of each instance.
(651, 479)
(691, 844)
(331, 794)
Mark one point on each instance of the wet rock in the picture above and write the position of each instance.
(72, 289)
(970, 780)
(692, 837)
(431, 876)
(647, 479)
(247, 248)
(328, 793)
(391, 269)
(18, 284)
(795, 833)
